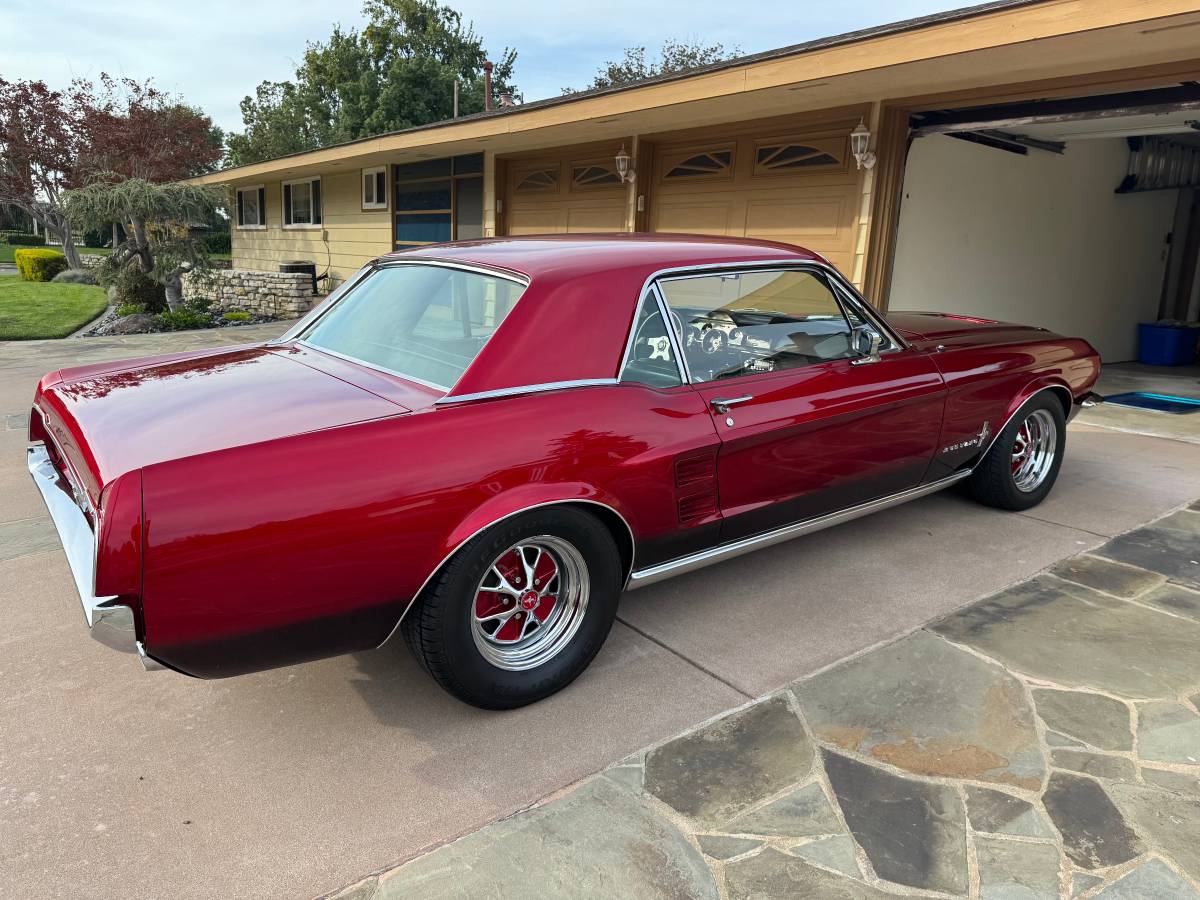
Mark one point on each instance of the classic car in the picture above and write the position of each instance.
(481, 445)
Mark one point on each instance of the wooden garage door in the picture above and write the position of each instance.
(558, 194)
(799, 188)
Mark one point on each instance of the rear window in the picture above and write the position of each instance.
(418, 321)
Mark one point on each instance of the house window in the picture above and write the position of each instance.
(438, 200)
(545, 179)
(708, 164)
(302, 203)
(792, 156)
(374, 188)
(590, 175)
(252, 207)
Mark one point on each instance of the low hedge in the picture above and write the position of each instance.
(17, 239)
(39, 265)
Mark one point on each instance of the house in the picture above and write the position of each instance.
(1034, 160)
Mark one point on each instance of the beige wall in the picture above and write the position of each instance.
(1039, 239)
(354, 235)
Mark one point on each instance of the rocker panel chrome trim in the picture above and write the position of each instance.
(685, 564)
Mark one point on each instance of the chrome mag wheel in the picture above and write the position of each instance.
(529, 603)
(1033, 450)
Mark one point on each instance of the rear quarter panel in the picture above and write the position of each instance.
(314, 545)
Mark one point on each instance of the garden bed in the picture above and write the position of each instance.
(149, 323)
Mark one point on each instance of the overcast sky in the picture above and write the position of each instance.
(215, 52)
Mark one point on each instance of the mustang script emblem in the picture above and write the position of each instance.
(976, 441)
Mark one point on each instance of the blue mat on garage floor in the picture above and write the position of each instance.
(1158, 402)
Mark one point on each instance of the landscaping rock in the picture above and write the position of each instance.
(912, 832)
(1074, 636)
(1094, 719)
(1105, 575)
(1095, 764)
(732, 764)
(1094, 833)
(641, 855)
(775, 874)
(835, 853)
(1165, 550)
(1152, 880)
(802, 813)
(930, 708)
(138, 323)
(998, 813)
(1009, 870)
(1168, 732)
(720, 846)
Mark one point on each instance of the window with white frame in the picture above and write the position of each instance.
(302, 203)
(252, 207)
(374, 188)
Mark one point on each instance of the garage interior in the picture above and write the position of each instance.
(1079, 214)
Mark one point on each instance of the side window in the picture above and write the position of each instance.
(737, 323)
(651, 358)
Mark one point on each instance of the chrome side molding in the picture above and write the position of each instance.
(642, 577)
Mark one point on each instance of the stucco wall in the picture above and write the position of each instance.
(1040, 239)
(355, 236)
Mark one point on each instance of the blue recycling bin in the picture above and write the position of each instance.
(1167, 345)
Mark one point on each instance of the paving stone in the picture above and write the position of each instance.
(1168, 732)
(1167, 551)
(835, 853)
(1168, 822)
(1095, 764)
(734, 763)
(362, 890)
(1073, 636)
(1184, 521)
(641, 855)
(1152, 880)
(1175, 598)
(998, 813)
(1009, 870)
(27, 536)
(1176, 782)
(1081, 881)
(773, 874)
(720, 846)
(16, 422)
(1054, 739)
(802, 813)
(1092, 718)
(1105, 575)
(627, 776)
(930, 708)
(1094, 833)
(912, 832)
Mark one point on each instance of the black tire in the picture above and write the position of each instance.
(440, 631)
(993, 482)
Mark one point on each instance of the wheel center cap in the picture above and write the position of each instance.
(530, 600)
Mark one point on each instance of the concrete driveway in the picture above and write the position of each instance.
(115, 782)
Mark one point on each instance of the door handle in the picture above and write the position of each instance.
(722, 404)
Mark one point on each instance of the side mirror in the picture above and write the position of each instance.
(866, 341)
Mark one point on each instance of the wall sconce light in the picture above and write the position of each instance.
(860, 146)
(625, 173)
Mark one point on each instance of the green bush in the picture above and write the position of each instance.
(75, 276)
(18, 239)
(133, 286)
(236, 316)
(218, 242)
(39, 265)
(129, 309)
(184, 319)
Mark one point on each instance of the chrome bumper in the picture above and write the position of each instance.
(1087, 401)
(110, 622)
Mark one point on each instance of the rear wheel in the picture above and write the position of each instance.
(520, 611)
(1022, 465)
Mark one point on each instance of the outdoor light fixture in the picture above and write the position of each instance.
(860, 146)
(623, 171)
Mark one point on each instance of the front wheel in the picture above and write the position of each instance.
(520, 611)
(1020, 468)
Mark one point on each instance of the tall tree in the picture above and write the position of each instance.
(673, 58)
(397, 72)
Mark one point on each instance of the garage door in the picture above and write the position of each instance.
(799, 188)
(553, 195)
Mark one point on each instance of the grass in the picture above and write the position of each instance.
(32, 310)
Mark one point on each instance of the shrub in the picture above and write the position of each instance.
(75, 276)
(130, 309)
(39, 265)
(183, 319)
(133, 286)
(218, 242)
(18, 239)
(97, 239)
(236, 316)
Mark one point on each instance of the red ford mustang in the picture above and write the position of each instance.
(482, 445)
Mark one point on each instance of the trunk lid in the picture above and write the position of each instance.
(926, 330)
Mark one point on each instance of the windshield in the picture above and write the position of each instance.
(418, 321)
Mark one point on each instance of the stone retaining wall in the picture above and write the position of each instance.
(283, 295)
(92, 260)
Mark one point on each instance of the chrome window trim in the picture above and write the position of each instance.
(672, 338)
(526, 389)
(517, 512)
(675, 339)
(372, 366)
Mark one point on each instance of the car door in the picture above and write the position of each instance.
(808, 424)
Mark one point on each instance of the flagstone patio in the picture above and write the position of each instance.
(1044, 742)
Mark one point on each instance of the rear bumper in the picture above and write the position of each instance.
(109, 621)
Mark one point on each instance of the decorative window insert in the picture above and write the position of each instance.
(692, 165)
(593, 175)
(374, 188)
(537, 180)
(252, 207)
(798, 155)
(438, 200)
(302, 203)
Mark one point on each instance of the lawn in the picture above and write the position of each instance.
(30, 310)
